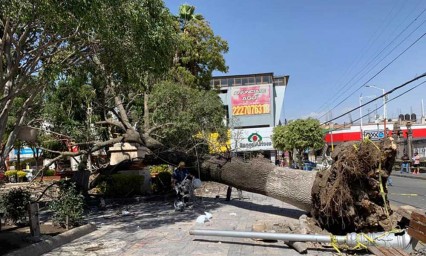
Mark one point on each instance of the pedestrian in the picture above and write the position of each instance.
(389, 182)
(179, 174)
(181, 186)
(416, 165)
(277, 161)
(405, 165)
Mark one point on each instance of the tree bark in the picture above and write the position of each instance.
(260, 176)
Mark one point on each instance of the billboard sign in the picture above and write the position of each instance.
(374, 134)
(251, 139)
(251, 100)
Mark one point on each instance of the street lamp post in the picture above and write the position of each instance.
(384, 106)
(360, 110)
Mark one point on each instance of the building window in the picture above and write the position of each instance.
(250, 80)
(266, 79)
(237, 81)
(216, 82)
(230, 82)
(258, 80)
(279, 81)
(223, 82)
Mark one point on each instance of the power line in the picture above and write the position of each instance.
(364, 51)
(394, 98)
(344, 88)
(380, 71)
(379, 97)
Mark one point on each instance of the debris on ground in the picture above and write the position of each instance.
(204, 218)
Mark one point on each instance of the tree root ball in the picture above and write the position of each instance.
(352, 194)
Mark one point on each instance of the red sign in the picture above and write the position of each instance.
(250, 100)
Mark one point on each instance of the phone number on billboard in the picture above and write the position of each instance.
(250, 110)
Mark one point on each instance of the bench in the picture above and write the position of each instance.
(417, 226)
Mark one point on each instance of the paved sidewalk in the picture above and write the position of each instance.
(154, 228)
(421, 176)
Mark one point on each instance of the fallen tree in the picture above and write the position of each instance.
(350, 196)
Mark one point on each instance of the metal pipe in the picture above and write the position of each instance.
(352, 239)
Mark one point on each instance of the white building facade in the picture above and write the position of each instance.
(253, 104)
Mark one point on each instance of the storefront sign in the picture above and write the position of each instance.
(251, 100)
(374, 134)
(24, 153)
(251, 139)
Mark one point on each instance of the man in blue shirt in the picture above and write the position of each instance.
(179, 174)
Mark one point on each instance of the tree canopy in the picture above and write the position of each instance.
(184, 112)
(38, 39)
(298, 135)
(199, 51)
(111, 64)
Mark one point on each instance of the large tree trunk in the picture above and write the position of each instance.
(260, 176)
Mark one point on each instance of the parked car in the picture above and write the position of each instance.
(308, 165)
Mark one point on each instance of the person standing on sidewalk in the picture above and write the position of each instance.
(416, 165)
(405, 165)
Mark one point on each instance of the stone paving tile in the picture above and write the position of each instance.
(154, 228)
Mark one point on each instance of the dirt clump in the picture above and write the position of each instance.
(352, 194)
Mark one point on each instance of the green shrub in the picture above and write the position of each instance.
(15, 204)
(48, 172)
(2, 206)
(162, 183)
(68, 203)
(121, 185)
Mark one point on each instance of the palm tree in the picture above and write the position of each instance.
(186, 15)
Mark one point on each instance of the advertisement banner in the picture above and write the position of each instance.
(251, 100)
(24, 153)
(252, 139)
(374, 134)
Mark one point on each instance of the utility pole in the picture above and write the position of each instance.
(384, 106)
(360, 111)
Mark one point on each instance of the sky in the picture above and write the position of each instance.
(331, 49)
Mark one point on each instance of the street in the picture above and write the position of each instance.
(407, 191)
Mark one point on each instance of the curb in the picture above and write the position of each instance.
(409, 176)
(54, 242)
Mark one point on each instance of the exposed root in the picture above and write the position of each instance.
(351, 195)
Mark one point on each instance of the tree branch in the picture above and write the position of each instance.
(151, 130)
(122, 112)
(112, 122)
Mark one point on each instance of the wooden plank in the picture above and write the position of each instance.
(387, 251)
(418, 226)
(375, 251)
(406, 211)
(420, 217)
(384, 250)
(402, 252)
(416, 234)
(394, 251)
